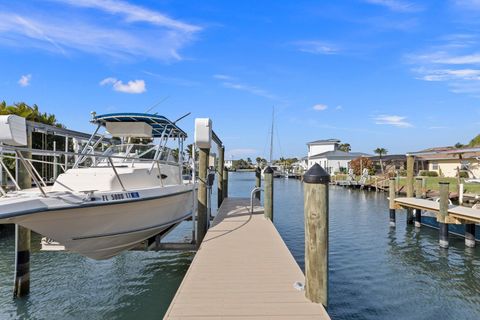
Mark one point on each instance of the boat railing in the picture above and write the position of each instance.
(17, 153)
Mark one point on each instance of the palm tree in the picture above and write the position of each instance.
(345, 147)
(381, 152)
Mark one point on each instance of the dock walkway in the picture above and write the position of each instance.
(243, 270)
(460, 213)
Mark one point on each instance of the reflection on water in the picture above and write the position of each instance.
(375, 272)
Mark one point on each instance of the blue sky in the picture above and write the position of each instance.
(397, 74)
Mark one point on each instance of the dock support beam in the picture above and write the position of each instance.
(268, 196)
(225, 183)
(23, 235)
(470, 235)
(442, 215)
(202, 211)
(418, 195)
(315, 188)
(220, 167)
(410, 166)
(391, 194)
(258, 181)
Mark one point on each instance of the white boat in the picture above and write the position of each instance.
(127, 194)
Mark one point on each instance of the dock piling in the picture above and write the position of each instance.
(418, 195)
(268, 196)
(316, 181)
(391, 192)
(470, 235)
(258, 181)
(410, 168)
(225, 183)
(202, 211)
(442, 215)
(220, 167)
(23, 235)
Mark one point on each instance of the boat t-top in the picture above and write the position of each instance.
(108, 201)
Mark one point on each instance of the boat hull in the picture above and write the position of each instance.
(103, 231)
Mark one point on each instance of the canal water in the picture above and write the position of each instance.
(375, 272)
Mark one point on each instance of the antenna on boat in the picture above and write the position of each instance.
(185, 115)
(156, 104)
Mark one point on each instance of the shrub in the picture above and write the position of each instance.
(355, 165)
(463, 174)
(426, 173)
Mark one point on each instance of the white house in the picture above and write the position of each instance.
(327, 155)
(229, 163)
(321, 146)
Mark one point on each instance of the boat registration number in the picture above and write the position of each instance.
(120, 196)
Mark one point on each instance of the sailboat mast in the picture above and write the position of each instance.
(271, 135)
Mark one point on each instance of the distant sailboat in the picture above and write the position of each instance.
(276, 170)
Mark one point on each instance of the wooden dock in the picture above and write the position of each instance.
(243, 270)
(456, 214)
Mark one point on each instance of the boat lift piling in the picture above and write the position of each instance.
(391, 191)
(418, 195)
(410, 185)
(268, 196)
(443, 215)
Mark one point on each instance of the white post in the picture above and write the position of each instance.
(66, 150)
(76, 148)
(1, 168)
(55, 171)
(460, 193)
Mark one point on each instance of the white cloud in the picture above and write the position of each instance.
(393, 120)
(396, 5)
(133, 13)
(131, 32)
(339, 107)
(24, 80)
(231, 83)
(320, 107)
(316, 47)
(133, 86)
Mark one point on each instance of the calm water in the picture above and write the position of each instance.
(375, 273)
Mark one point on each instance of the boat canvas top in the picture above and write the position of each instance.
(161, 126)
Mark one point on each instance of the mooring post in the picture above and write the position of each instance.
(391, 201)
(258, 181)
(202, 211)
(461, 190)
(418, 195)
(23, 235)
(410, 166)
(220, 167)
(442, 215)
(225, 183)
(470, 235)
(268, 195)
(315, 189)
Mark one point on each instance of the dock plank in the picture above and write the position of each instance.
(242, 270)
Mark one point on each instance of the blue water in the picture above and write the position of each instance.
(375, 272)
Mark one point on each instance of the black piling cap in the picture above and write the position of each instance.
(316, 174)
(258, 170)
(268, 170)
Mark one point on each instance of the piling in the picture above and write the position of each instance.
(316, 181)
(470, 235)
(220, 167)
(225, 183)
(258, 181)
(391, 194)
(23, 235)
(442, 215)
(461, 190)
(410, 166)
(268, 196)
(418, 195)
(202, 211)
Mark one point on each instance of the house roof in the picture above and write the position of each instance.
(337, 154)
(326, 141)
(390, 157)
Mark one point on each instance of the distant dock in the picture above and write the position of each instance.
(243, 270)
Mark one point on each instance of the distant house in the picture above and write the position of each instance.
(446, 162)
(327, 155)
(229, 163)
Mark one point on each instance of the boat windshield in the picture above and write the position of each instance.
(140, 151)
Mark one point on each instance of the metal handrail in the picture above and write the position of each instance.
(252, 194)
